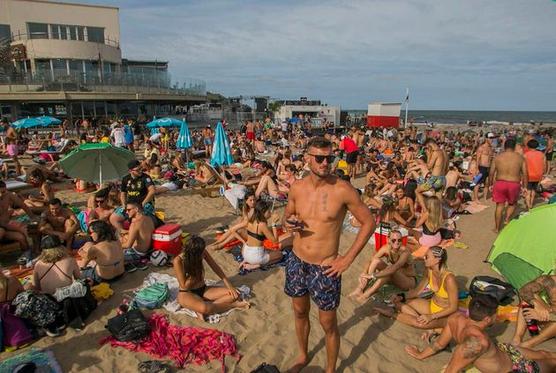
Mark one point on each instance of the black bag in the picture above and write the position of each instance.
(493, 287)
(76, 310)
(129, 326)
(265, 368)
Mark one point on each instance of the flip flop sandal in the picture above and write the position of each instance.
(153, 366)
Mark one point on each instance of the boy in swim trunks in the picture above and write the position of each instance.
(474, 347)
(316, 209)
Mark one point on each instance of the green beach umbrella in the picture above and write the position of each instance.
(97, 162)
(526, 247)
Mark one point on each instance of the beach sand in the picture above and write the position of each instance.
(265, 333)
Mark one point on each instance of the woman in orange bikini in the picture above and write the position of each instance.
(431, 313)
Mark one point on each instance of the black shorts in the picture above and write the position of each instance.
(532, 185)
(484, 171)
(351, 158)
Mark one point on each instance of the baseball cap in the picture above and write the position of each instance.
(133, 164)
(491, 135)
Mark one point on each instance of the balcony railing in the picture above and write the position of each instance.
(96, 81)
(18, 36)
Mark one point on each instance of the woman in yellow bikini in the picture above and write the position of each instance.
(430, 313)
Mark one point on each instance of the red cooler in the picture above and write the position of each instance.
(168, 238)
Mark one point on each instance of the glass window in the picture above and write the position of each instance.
(63, 32)
(37, 30)
(5, 32)
(55, 31)
(95, 34)
(80, 33)
(42, 67)
(73, 32)
(60, 67)
(76, 66)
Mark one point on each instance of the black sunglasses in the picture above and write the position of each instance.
(395, 239)
(321, 158)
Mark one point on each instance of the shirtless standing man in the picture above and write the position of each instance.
(506, 173)
(250, 131)
(475, 347)
(316, 209)
(137, 241)
(437, 162)
(484, 158)
(207, 140)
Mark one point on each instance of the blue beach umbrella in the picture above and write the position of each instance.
(184, 138)
(49, 121)
(221, 151)
(164, 122)
(27, 123)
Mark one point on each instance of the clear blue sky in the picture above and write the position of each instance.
(452, 54)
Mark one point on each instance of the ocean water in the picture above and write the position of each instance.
(462, 116)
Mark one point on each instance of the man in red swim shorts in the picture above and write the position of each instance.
(509, 171)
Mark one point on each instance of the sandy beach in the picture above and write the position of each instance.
(265, 333)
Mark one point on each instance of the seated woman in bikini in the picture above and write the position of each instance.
(193, 293)
(431, 313)
(254, 253)
(235, 232)
(391, 264)
(404, 204)
(54, 268)
(102, 259)
(430, 221)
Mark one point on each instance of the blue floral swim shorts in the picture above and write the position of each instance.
(303, 278)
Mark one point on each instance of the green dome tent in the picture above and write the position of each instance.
(526, 247)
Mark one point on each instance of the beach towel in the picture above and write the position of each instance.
(43, 359)
(172, 304)
(182, 344)
(474, 208)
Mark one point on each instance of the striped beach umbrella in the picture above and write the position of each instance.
(184, 138)
(221, 151)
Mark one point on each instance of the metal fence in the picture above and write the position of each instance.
(97, 81)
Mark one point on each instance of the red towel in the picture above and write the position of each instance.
(183, 344)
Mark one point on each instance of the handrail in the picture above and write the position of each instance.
(97, 81)
(26, 36)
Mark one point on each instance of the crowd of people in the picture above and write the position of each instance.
(416, 184)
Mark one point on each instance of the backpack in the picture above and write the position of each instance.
(493, 287)
(130, 326)
(40, 309)
(266, 368)
(152, 296)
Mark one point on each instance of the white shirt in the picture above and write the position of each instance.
(118, 134)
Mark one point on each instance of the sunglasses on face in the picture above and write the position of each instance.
(321, 158)
(395, 240)
(99, 200)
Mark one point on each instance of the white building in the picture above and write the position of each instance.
(304, 108)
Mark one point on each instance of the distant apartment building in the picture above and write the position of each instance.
(65, 60)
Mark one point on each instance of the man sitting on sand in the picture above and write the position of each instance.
(507, 171)
(137, 241)
(542, 310)
(391, 264)
(59, 221)
(474, 347)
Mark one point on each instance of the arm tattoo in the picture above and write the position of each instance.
(529, 290)
(472, 347)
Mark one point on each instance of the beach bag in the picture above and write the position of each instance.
(129, 326)
(77, 309)
(13, 331)
(40, 309)
(152, 296)
(266, 368)
(493, 287)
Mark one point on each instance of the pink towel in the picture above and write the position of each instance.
(183, 344)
